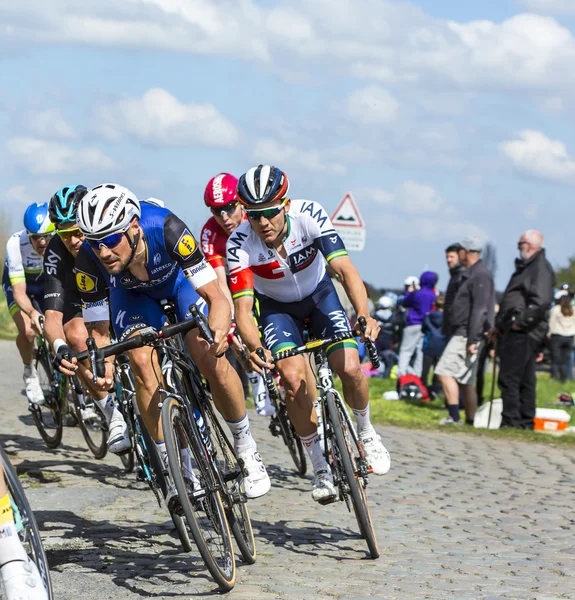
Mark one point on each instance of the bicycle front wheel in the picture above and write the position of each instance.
(347, 453)
(199, 497)
(26, 523)
(292, 441)
(237, 511)
(90, 421)
(47, 416)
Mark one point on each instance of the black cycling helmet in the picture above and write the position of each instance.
(64, 203)
(262, 184)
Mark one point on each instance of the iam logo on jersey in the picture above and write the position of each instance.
(85, 282)
(186, 244)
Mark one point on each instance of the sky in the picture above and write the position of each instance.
(443, 118)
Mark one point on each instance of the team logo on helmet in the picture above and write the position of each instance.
(86, 283)
(186, 244)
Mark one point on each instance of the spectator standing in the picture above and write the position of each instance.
(522, 324)
(471, 317)
(434, 342)
(388, 325)
(455, 273)
(418, 302)
(561, 335)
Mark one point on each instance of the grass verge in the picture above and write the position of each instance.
(7, 327)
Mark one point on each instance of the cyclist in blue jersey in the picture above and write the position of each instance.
(279, 252)
(143, 253)
(23, 285)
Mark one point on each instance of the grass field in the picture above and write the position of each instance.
(415, 415)
(7, 328)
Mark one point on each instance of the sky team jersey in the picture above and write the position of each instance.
(254, 265)
(170, 249)
(24, 263)
(214, 240)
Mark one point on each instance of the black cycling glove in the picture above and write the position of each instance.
(64, 353)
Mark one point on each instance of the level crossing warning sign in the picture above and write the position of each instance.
(348, 223)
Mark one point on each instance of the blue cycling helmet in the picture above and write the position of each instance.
(63, 204)
(36, 219)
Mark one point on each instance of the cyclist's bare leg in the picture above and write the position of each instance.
(146, 370)
(225, 383)
(299, 383)
(345, 363)
(25, 338)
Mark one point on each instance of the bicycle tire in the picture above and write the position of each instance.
(29, 534)
(176, 427)
(292, 441)
(345, 448)
(48, 416)
(237, 514)
(92, 428)
(122, 387)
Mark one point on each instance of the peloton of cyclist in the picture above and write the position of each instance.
(144, 253)
(23, 285)
(221, 197)
(64, 326)
(277, 253)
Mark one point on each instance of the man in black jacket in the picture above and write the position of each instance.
(455, 272)
(522, 324)
(471, 317)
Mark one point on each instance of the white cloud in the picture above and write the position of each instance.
(49, 124)
(376, 39)
(553, 104)
(537, 155)
(42, 157)
(550, 7)
(270, 151)
(158, 118)
(409, 197)
(372, 105)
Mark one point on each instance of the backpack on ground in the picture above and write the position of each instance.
(410, 387)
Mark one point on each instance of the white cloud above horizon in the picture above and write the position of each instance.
(158, 118)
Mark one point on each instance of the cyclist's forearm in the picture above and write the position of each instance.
(53, 327)
(352, 284)
(247, 328)
(21, 298)
(223, 281)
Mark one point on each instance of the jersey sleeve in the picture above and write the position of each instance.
(92, 286)
(326, 239)
(240, 273)
(209, 247)
(183, 248)
(14, 260)
(55, 278)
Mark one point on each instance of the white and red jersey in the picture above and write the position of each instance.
(252, 264)
(214, 240)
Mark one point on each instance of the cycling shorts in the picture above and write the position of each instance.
(132, 309)
(283, 324)
(34, 292)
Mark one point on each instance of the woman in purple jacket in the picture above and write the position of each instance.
(418, 302)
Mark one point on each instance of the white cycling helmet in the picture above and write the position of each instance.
(412, 280)
(385, 302)
(106, 209)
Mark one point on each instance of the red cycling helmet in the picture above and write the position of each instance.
(221, 190)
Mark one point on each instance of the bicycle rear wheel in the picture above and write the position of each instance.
(347, 453)
(203, 512)
(47, 416)
(90, 421)
(26, 523)
(237, 512)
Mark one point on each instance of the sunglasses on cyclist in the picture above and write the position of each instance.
(66, 235)
(267, 213)
(38, 237)
(110, 241)
(228, 209)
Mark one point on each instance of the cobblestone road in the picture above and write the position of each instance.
(457, 517)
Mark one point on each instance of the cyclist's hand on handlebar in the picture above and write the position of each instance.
(103, 384)
(371, 329)
(65, 360)
(35, 321)
(258, 364)
(220, 327)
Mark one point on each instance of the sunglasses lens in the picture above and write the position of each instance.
(267, 213)
(110, 241)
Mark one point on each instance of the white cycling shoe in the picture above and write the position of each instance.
(22, 581)
(34, 391)
(322, 484)
(118, 437)
(256, 479)
(375, 452)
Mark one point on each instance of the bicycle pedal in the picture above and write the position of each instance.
(140, 475)
(328, 500)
